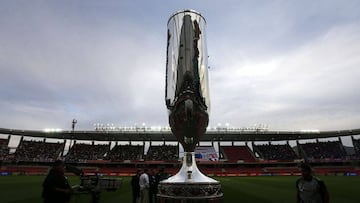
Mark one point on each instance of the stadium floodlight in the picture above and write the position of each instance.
(74, 121)
(50, 130)
(227, 126)
(310, 131)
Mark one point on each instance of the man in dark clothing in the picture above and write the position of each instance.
(310, 189)
(135, 186)
(56, 188)
(153, 186)
(161, 175)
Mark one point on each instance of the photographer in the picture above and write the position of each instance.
(56, 188)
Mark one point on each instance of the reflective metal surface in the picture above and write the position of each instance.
(189, 185)
(186, 56)
(187, 99)
(189, 172)
(187, 89)
(195, 192)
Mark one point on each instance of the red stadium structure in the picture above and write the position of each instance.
(124, 150)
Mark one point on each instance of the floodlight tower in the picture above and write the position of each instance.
(74, 121)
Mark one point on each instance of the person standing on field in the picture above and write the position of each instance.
(135, 186)
(144, 187)
(56, 188)
(310, 189)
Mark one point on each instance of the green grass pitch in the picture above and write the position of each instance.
(27, 189)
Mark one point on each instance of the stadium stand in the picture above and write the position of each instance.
(322, 150)
(163, 153)
(4, 149)
(83, 152)
(275, 152)
(237, 153)
(38, 151)
(356, 143)
(327, 158)
(126, 152)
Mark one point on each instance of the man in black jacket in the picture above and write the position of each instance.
(135, 186)
(56, 188)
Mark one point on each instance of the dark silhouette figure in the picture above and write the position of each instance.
(56, 188)
(153, 187)
(310, 188)
(135, 186)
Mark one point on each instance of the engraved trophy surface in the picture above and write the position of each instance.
(188, 103)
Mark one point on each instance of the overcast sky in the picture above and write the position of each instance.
(289, 64)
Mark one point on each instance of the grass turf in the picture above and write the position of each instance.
(27, 189)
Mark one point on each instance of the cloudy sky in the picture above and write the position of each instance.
(289, 64)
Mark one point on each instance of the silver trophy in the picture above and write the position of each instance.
(188, 102)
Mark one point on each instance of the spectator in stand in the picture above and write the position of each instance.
(56, 188)
(356, 144)
(82, 152)
(135, 186)
(144, 187)
(324, 150)
(276, 152)
(38, 151)
(126, 152)
(310, 189)
(164, 153)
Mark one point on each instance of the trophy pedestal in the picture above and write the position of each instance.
(189, 185)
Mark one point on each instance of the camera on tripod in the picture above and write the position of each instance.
(93, 184)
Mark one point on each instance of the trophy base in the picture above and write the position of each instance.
(189, 185)
(190, 193)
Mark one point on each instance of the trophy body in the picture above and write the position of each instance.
(188, 103)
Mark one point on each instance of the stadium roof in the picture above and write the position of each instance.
(166, 135)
